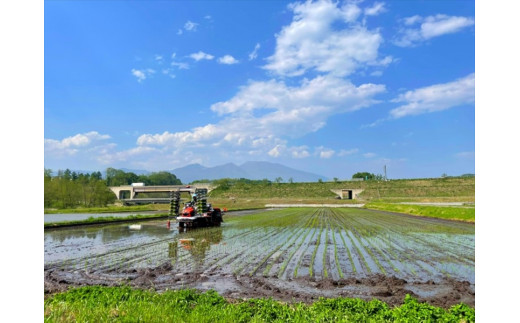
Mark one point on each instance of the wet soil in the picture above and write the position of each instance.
(392, 290)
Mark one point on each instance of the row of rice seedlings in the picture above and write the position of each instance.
(397, 250)
(340, 273)
(428, 247)
(366, 246)
(363, 235)
(225, 251)
(310, 241)
(389, 249)
(397, 253)
(356, 247)
(244, 251)
(288, 245)
(340, 231)
(313, 257)
(437, 245)
(310, 223)
(271, 253)
(325, 273)
(110, 260)
(271, 242)
(240, 240)
(390, 227)
(370, 227)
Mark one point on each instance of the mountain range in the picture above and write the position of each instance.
(255, 170)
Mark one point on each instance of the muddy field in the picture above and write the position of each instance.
(290, 255)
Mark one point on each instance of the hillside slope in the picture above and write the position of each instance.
(448, 189)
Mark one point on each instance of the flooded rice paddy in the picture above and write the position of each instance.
(63, 217)
(290, 254)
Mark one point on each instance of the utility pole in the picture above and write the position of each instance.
(385, 173)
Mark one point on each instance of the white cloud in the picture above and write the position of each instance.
(431, 26)
(71, 145)
(344, 152)
(387, 60)
(190, 26)
(180, 65)
(275, 152)
(311, 42)
(159, 58)
(201, 55)
(321, 94)
(326, 153)
(373, 124)
(376, 9)
(263, 115)
(436, 97)
(208, 17)
(412, 20)
(369, 155)
(254, 53)
(110, 157)
(227, 59)
(299, 152)
(143, 74)
(168, 72)
(350, 12)
(179, 32)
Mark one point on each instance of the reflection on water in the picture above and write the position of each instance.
(108, 233)
(197, 242)
(78, 242)
(124, 243)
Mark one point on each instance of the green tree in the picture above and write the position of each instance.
(364, 175)
(163, 178)
(278, 179)
(62, 192)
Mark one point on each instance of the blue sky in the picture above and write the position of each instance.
(328, 87)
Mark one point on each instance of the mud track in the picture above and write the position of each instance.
(389, 289)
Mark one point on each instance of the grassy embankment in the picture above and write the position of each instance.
(378, 195)
(466, 214)
(105, 219)
(412, 190)
(94, 304)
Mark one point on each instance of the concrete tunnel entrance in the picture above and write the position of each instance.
(346, 194)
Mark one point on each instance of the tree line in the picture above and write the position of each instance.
(69, 189)
(117, 177)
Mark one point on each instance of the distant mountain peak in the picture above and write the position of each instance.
(255, 170)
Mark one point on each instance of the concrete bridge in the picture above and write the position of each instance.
(129, 193)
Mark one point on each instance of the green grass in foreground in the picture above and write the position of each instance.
(443, 212)
(101, 304)
(93, 220)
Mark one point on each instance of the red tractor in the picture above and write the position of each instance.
(197, 212)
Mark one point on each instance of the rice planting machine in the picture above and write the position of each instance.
(197, 212)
